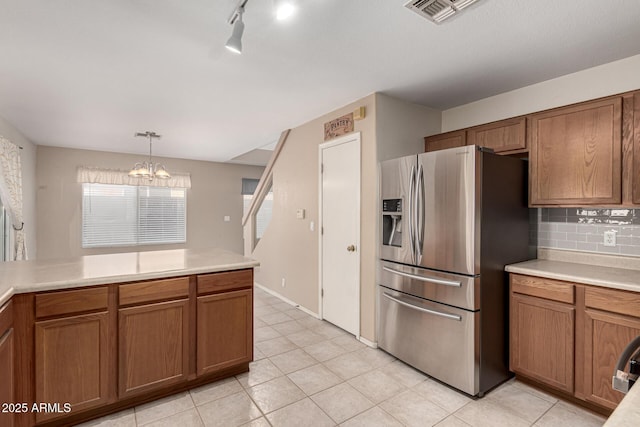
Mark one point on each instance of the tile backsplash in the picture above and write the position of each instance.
(583, 229)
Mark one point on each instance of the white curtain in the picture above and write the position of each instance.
(11, 194)
(120, 177)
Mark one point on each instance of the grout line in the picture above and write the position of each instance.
(545, 412)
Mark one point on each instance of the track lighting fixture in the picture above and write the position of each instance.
(282, 9)
(234, 44)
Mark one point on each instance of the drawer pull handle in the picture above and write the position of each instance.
(422, 309)
(454, 283)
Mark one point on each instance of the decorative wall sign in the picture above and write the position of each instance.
(340, 126)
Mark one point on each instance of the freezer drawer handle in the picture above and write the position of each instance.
(424, 310)
(424, 279)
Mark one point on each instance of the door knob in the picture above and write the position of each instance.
(351, 248)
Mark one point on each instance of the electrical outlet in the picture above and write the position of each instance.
(610, 238)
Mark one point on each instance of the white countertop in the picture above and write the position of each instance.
(32, 276)
(609, 277)
(584, 268)
(628, 411)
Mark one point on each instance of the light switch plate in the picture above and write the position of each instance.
(300, 214)
(227, 218)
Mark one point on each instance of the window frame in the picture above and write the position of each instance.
(136, 242)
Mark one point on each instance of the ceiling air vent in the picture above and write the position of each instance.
(437, 10)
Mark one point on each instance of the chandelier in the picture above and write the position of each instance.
(148, 169)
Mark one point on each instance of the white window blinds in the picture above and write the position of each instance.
(123, 215)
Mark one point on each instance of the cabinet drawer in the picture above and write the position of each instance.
(6, 317)
(228, 280)
(70, 302)
(554, 290)
(155, 290)
(613, 300)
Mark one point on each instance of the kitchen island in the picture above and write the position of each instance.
(92, 335)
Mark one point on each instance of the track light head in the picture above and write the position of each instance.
(234, 44)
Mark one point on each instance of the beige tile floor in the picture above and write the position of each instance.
(308, 372)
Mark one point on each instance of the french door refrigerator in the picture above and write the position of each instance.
(451, 220)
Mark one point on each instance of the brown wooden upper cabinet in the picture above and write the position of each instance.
(445, 140)
(576, 154)
(503, 136)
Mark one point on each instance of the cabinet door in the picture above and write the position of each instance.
(445, 140)
(502, 136)
(576, 154)
(153, 346)
(542, 340)
(225, 330)
(7, 386)
(605, 336)
(71, 362)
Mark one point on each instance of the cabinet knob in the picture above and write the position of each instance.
(351, 248)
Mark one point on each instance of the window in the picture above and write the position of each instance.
(125, 215)
(263, 216)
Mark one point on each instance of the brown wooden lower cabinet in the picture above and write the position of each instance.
(572, 346)
(542, 340)
(7, 380)
(606, 335)
(225, 330)
(71, 362)
(153, 346)
(109, 347)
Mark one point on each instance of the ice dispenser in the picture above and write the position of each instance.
(392, 222)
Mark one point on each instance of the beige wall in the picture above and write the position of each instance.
(289, 249)
(401, 126)
(215, 193)
(28, 160)
(608, 79)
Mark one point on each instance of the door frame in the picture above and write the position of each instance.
(352, 137)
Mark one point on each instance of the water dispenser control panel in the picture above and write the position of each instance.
(392, 222)
(392, 205)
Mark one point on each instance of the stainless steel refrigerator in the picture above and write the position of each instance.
(451, 220)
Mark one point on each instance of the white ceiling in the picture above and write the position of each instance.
(90, 73)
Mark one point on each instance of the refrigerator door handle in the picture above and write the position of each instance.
(445, 282)
(422, 309)
(412, 242)
(420, 213)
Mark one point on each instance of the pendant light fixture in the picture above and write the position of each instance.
(148, 169)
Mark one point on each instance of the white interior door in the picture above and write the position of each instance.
(340, 232)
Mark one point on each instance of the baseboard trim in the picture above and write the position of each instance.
(367, 342)
(287, 300)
